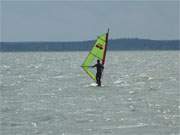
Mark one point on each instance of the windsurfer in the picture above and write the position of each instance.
(99, 68)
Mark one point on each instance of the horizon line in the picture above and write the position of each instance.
(89, 40)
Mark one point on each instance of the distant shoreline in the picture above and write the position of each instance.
(114, 45)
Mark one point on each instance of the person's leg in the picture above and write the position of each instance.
(98, 81)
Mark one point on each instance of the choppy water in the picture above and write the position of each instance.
(49, 94)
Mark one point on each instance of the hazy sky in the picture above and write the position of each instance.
(77, 20)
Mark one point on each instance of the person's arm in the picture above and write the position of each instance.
(102, 68)
(94, 66)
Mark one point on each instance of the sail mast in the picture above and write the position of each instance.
(104, 56)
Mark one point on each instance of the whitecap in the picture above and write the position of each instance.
(118, 82)
(132, 108)
(107, 119)
(60, 89)
(58, 77)
(133, 126)
(6, 66)
(34, 124)
(131, 92)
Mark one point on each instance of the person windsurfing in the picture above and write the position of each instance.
(98, 52)
(99, 68)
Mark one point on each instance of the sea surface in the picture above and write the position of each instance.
(47, 93)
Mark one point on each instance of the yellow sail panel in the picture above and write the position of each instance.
(96, 53)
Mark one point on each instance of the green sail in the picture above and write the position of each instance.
(97, 52)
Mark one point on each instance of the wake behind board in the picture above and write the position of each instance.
(93, 85)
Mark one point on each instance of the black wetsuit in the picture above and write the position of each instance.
(99, 68)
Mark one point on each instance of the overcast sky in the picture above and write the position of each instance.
(76, 20)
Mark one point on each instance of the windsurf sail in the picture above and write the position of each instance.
(98, 52)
